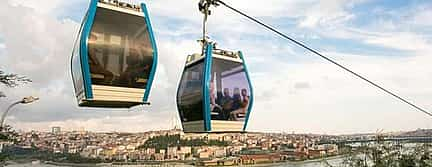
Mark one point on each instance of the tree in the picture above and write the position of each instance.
(12, 80)
(385, 155)
(9, 80)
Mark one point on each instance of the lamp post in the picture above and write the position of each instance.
(25, 100)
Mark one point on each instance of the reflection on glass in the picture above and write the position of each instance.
(189, 95)
(76, 70)
(120, 53)
(229, 91)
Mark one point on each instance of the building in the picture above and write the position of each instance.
(56, 130)
(260, 158)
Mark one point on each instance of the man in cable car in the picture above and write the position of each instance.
(241, 112)
(135, 71)
(226, 101)
(236, 99)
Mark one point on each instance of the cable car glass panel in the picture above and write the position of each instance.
(189, 96)
(119, 49)
(229, 91)
(77, 76)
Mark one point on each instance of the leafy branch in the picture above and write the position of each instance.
(12, 80)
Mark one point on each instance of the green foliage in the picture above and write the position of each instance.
(49, 156)
(8, 134)
(163, 142)
(12, 80)
(384, 155)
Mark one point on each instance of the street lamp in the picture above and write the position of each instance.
(25, 100)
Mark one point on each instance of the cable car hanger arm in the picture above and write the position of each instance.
(217, 2)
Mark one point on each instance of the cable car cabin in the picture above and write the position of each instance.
(215, 92)
(115, 56)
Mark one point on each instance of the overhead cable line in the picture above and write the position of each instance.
(325, 57)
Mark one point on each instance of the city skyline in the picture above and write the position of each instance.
(387, 41)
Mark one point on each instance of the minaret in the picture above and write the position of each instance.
(174, 123)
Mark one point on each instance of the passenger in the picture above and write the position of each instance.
(135, 69)
(226, 96)
(236, 99)
(245, 97)
(243, 107)
(226, 102)
(95, 66)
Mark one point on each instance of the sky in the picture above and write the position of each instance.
(388, 41)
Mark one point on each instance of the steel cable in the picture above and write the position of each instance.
(326, 58)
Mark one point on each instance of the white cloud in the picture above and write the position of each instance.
(104, 124)
(42, 6)
(40, 45)
(326, 13)
(338, 102)
(402, 40)
(423, 16)
(304, 96)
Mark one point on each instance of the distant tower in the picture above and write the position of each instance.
(174, 123)
(56, 130)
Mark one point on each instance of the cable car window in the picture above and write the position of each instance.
(229, 91)
(119, 48)
(76, 70)
(189, 98)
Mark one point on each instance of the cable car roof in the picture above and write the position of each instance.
(217, 53)
(121, 7)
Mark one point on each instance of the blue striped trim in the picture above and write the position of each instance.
(206, 86)
(250, 89)
(155, 53)
(84, 48)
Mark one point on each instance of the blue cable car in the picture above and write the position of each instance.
(115, 56)
(215, 93)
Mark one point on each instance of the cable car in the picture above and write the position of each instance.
(215, 93)
(114, 58)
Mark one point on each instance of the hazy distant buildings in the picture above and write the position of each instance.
(242, 148)
(56, 130)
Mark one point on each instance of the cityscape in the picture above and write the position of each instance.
(203, 149)
(285, 83)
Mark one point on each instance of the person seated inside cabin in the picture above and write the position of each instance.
(98, 72)
(236, 99)
(241, 112)
(226, 102)
(136, 69)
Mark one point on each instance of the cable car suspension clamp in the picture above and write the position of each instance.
(203, 7)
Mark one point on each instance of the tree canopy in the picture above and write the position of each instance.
(12, 80)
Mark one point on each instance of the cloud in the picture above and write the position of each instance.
(423, 14)
(135, 123)
(326, 13)
(402, 41)
(338, 99)
(38, 44)
(293, 89)
(44, 6)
